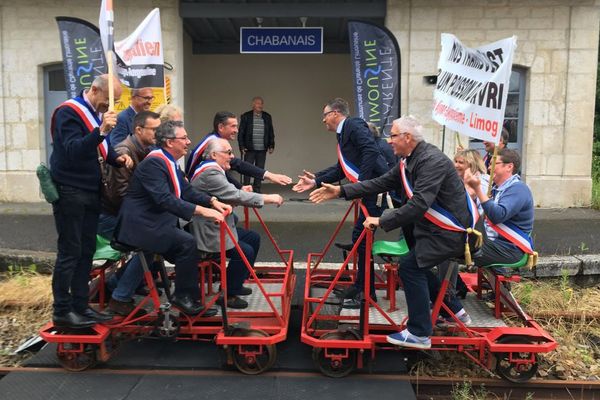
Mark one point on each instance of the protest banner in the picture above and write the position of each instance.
(83, 58)
(472, 87)
(376, 72)
(141, 58)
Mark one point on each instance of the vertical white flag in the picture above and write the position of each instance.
(106, 24)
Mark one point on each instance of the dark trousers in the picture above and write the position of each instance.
(416, 290)
(181, 251)
(237, 272)
(257, 158)
(374, 211)
(496, 252)
(435, 283)
(76, 218)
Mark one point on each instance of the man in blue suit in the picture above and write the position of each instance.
(358, 159)
(158, 195)
(141, 100)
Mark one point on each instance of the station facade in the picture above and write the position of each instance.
(551, 96)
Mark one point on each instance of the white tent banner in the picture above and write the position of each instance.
(472, 87)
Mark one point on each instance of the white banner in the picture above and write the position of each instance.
(142, 53)
(472, 87)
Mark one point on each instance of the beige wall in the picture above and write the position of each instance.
(29, 41)
(557, 43)
(294, 87)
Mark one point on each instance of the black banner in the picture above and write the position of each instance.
(83, 58)
(376, 71)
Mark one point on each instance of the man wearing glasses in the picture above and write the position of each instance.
(141, 100)
(359, 159)
(157, 197)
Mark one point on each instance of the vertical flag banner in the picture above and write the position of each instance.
(141, 58)
(472, 87)
(106, 23)
(376, 72)
(83, 58)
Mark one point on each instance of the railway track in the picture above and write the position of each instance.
(424, 387)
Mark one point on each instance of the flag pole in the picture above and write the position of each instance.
(492, 167)
(111, 82)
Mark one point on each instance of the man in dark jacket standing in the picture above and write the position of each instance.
(358, 159)
(256, 137)
(429, 180)
(79, 129)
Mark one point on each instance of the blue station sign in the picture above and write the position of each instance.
(281, 40)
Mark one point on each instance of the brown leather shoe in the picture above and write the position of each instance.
(121, 307)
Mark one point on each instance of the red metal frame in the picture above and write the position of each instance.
(273, 322)
(479, 344)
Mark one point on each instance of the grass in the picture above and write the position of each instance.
(596, 176)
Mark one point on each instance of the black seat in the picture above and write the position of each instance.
(122, 247)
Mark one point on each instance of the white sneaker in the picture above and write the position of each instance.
(444, 322)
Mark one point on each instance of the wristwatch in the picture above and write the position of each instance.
(212, 200)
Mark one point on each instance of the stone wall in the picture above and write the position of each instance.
(29, 41)
(557, 44)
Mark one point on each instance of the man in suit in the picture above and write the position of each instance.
(158, 195)
(225, 126)
(210, 177)
(141, 100)
(79, 129)
(358, 159)
(428, 179)
(256, 137)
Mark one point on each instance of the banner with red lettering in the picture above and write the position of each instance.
(472, 87)
(141, 58)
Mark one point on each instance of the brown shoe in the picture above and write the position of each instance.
(121, 307)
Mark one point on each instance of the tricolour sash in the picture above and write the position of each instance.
(205, 165)
(90, 120)
(349, 169)
(514, 235)
(197, 153)
(171, 167)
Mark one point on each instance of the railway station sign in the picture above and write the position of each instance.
(281, 40)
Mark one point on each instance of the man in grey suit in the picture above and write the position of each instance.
(210, 177)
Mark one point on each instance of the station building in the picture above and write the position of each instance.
(551, 98)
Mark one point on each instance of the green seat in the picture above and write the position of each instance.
(521, 263)
(104, 251)
(384, 248)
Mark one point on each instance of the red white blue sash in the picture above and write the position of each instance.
(349, 169)
(197, 153)
(513, 234)
(204, 165)
(171, 168)
(90, 120)
(437, 214)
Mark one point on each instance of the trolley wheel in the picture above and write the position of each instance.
(75, 361)
(513, 371)
(253, 359)
(335, 367)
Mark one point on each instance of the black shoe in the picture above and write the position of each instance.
(211, 312)
(350, 292)
(72, 320)
(187, 305)
(234, 302)
(96, 316)
(244, 291)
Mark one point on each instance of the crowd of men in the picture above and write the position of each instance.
(146, 195)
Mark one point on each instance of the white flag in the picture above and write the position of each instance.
(106, 24)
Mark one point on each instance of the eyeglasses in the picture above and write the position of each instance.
(395, 135)
(146, 98)
(228, 152)
(180, 138)
(151, 128)
(327, 113)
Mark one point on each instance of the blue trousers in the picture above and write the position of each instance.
(237, 272)
(374, 211)
(416, 289)
(76, 218)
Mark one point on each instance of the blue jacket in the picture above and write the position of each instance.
(150, 209)
(124, 126)
(237, 164)
(74, 159)
(358, 146)
(512, 202)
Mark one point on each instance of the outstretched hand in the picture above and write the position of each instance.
(278, 178)
(324, 193)
(304, 183)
